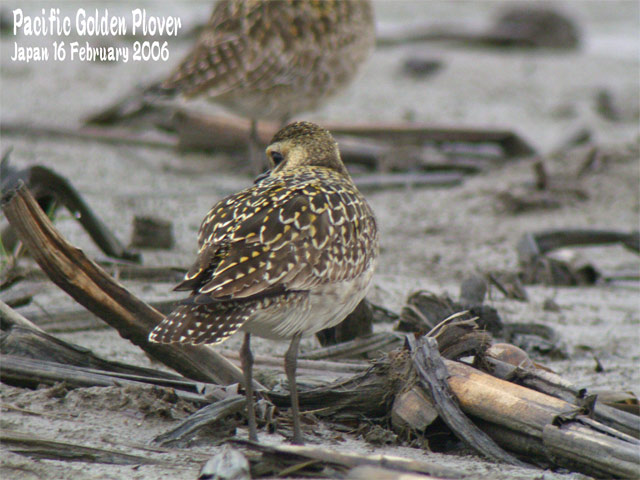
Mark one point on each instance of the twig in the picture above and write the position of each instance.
(533, 245)
(304, 365)
(204, 417)
(87, 134)
(10, 318)
(381, 181)
(38, 447)
(351, 459)
(359, 346)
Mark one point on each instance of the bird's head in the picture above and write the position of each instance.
(303, 144)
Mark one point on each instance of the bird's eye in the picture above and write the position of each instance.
(277, 158)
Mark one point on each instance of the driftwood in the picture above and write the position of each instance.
(538, 267)
(31, 357)
(118, 270)
(509, 284)
(382, 181)
(9, 318)
(90, 286)
(89, 134)
(52, 190)
(30, 373)
(535, 337)
(367, 472)
(432, 374)
(197, 131)
(624, 401)
(288, 455)
(556, 386)
(202, 418)
(39, 447)
(79, 319)
(203, 132)
(533, 245)
(514, 416)
(548, 191)
(547, 429)
(364, 345)
(19, 295)
(522, 420)
(532, 414)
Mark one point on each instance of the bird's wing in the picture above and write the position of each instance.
(274, 240)
(239, 47)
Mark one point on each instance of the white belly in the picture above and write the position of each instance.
(324, 307)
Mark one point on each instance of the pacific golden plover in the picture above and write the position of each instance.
(287, 257)
(274, 59)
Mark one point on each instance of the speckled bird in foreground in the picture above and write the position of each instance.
(287, 257)
(274, 59)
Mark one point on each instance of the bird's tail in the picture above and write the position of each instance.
(197, 324)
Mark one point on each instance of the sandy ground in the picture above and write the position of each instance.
(430, 238)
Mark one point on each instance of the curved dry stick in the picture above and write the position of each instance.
(70, 269)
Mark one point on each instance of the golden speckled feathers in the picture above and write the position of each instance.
(277, 57)
(290, 254)
(290, 232)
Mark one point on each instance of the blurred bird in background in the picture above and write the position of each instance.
(270, 60)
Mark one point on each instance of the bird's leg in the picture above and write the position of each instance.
(246, 359)
(290, 363)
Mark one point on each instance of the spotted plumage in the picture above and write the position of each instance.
(271, 246)
(276, 58)
(286, 257)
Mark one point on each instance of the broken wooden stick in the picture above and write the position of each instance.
(197, 131)
(346, 460)
(432, 374)
(533, 245)
(39, 447)
(89, 134)
(515, 416)
(369, 344)
(52, 190)
(89, 285)
(384, 181)
(552, 384)
(204, 417)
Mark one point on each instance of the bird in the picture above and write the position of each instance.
(284, 258)
(276, 58)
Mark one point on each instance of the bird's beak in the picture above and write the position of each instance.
(262, 176)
